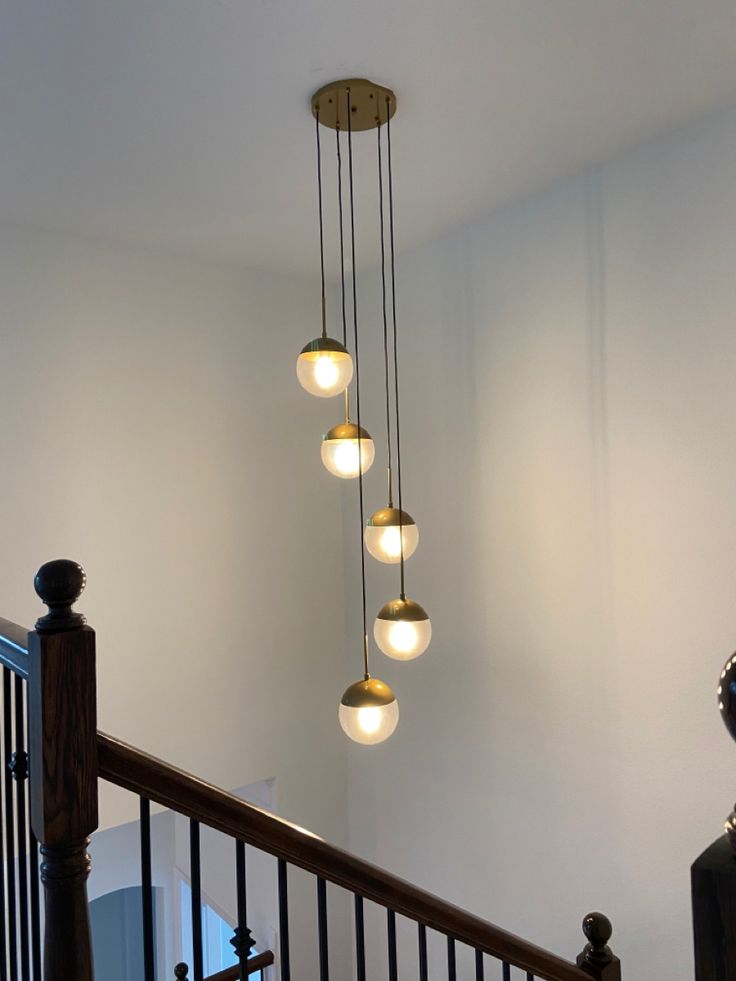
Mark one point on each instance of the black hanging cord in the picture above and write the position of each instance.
(396, 356)
(357, 384)
(321, 227)
(342, 240)
(385, 322)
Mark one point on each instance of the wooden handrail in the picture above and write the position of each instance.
(173, 788)
(14, 647)
(255, 963)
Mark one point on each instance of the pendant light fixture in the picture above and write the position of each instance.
(369, 711)
(324, 366)
(347, 449)
(402, 629)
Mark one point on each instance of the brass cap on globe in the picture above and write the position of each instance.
(320, 344)
(390, 518)
(368, 693)
(402, 609)
(347, 430)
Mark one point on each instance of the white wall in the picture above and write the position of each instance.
(154, 430)
(568, 416)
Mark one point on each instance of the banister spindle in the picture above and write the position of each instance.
(324, 957)
(19, 771)
(451, 960)
(35, 910)
(596, 958)
(359, 939)
(149, 969)
(3, 917)
(63, 758)
(12, 919)
(479, 965)
(242, 941)
(284, 955)
(422, 940)
(392, 958)
(506, 971)
(195, 872)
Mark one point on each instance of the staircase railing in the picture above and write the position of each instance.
(54, 676)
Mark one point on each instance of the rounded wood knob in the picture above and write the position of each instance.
(59, 584)
(598, 930)
(726, 693)
(181, 971)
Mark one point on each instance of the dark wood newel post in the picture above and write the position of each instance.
(597, 958)
(63, 759)
(713, 874)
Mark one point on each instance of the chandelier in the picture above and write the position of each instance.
(326, 367)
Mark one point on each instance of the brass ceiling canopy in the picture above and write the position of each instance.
(371, 692)
(371, 104)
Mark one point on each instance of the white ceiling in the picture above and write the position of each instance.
(184, 124)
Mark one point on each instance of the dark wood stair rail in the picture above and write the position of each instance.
(68, 756)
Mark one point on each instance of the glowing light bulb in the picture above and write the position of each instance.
(391, 543)
(326, 373)
(403, 637)
(344, 454)
(324, 367)
(369, 712)
(384, 532)
(402, 629)
(369, 719)
(346, 458)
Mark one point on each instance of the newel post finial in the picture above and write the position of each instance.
(181, 972)
(62, 726)
(597, 958)
(59, 585)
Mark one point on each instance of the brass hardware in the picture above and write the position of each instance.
(320, 344)
(372, 105)
(368, 693)
(346, 430)
(390, 518)
(402, 609)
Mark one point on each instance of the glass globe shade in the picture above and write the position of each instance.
(402, 629)
(384, 532)
(347, 451)
(369, 712)
(324, 367)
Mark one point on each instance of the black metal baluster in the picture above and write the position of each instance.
(529, 977)
(34, 875)
(35, 908)
(3, 922)
(422, 952)
(149, 968)
(196, 877)
(359, 939)
(392, 961)
(284, 922)
(506, 971)
(324, 960)
(243, 941)
(19, 771)
(9, 830)
(451, 963)
(479, 965)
